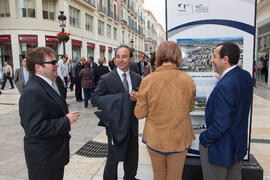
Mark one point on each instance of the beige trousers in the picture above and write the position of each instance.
(167, 166)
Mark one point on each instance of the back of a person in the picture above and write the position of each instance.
(87, 77)
(171, 92)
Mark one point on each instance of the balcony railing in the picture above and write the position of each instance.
(102, 8)
(91, 2)
(124, 22)
(123, 2)
(116, 18)
(110, 14)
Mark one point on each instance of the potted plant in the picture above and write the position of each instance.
(63, 37)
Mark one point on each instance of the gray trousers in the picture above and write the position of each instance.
(216, 172)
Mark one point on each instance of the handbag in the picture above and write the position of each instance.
(8, 74)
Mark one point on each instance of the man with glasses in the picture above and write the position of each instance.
(45, 118)
(121, 80)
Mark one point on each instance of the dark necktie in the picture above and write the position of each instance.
(125, 82)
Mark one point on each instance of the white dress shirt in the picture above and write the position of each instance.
(50, 82)
(62, 69)
(120, 73)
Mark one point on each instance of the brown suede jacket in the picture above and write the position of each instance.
(166, 97)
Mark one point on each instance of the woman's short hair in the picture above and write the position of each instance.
(168, 51)
(100, 61)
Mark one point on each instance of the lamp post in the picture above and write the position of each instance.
(131, 43)
(62, 20)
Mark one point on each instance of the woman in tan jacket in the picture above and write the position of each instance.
(166, 97)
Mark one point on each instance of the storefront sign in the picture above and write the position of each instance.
(28, 38)
(52, 39)
(91, 45)
(101, 47)
(5, 38)
(198, 26)
(76, 43)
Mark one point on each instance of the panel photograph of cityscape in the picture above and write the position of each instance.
(198, 52)
(196, 62)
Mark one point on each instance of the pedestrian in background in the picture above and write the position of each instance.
(78, 88)
(8, 74)
(21, 76)
(71, 72)
(165, 99)
(223, 144)
(87, 81)
(100, 70)
(45, 118)
(150, 67)
(62, 71)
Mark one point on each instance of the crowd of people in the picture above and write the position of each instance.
(125, 92)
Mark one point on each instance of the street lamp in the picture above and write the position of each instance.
(62, 21)
(131, 43)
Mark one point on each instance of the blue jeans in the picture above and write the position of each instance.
(87, 95)
(5, 78)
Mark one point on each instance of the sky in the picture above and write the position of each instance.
(157, 7)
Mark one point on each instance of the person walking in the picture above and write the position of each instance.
(78, 87)
(121, 81)
(21, 76)
(71, 73)
(87, 82)
(223, 145)
(45, 118)
(8, 73)
(62, 71)
(168, 128)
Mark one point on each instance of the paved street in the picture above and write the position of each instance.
(12, 163)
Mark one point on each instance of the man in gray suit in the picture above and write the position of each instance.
(21, 76)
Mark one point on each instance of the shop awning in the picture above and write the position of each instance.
(5, 38)
(102, 47)
(52, 39)
(76, 42)
(28, 38)
(91, 45)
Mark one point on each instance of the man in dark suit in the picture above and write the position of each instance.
(71, 72)
(121, 80)
(45, 118)
(78, 87)
(21, 76)
(100, 70)
(141, 64)
(223, 145)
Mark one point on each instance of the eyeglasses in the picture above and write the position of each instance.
(52, 62)
(124, 56)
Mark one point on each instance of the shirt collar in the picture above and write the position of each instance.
(226, 71)
(120, 72)
(45, 79)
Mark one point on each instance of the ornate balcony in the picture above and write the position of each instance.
(91, 2)
(102, 9)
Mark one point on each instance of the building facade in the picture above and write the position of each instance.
(262, 47)
(96, 27)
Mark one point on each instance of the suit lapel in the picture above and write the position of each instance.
(117, 80)
(22, 74)
(133, 81)
(230, 73)
(58, 99)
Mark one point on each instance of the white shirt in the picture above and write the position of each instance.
(120, 73)
(50, 82)
(226, 71)
(25, 75)
(62, 69)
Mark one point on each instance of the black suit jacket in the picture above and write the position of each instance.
(139, 66)
(78, 69)
(42, 112)
(99, 71)
(111, 83)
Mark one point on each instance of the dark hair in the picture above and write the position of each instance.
(64, 56)
(36, 56)
(231, 50)
(91, 57)
(153, 58)
(125, 46)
